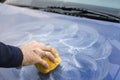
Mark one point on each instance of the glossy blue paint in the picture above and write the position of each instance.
(90, 49)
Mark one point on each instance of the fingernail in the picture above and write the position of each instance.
(54, 60)
(47, 66)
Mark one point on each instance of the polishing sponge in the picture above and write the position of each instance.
(52, 65)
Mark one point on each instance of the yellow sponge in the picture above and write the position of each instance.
(52, 65)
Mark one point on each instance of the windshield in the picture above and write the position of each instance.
(108, 6)
(103, 3)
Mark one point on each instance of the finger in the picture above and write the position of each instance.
(39, 52)
(43, 63)
(50, 56)
(44, 47)
(54, 52)
(37, 44)
(49, 48)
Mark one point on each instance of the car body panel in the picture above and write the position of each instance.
(20, 25)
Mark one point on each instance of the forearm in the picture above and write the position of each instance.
(10, 56)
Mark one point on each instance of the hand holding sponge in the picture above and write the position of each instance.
(52, 65)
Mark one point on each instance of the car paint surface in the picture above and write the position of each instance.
(90, 49)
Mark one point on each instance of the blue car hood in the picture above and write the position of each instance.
(89, 49)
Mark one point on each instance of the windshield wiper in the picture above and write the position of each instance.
(80, 12)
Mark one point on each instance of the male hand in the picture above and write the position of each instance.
(33, 52)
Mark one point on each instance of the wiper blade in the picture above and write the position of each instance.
(80, 12)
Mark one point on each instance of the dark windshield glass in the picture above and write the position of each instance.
(103, 3)
(109, 6)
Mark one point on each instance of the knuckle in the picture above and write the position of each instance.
(33, 41)
(42, 44)
(49, 47)
(51, 56)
